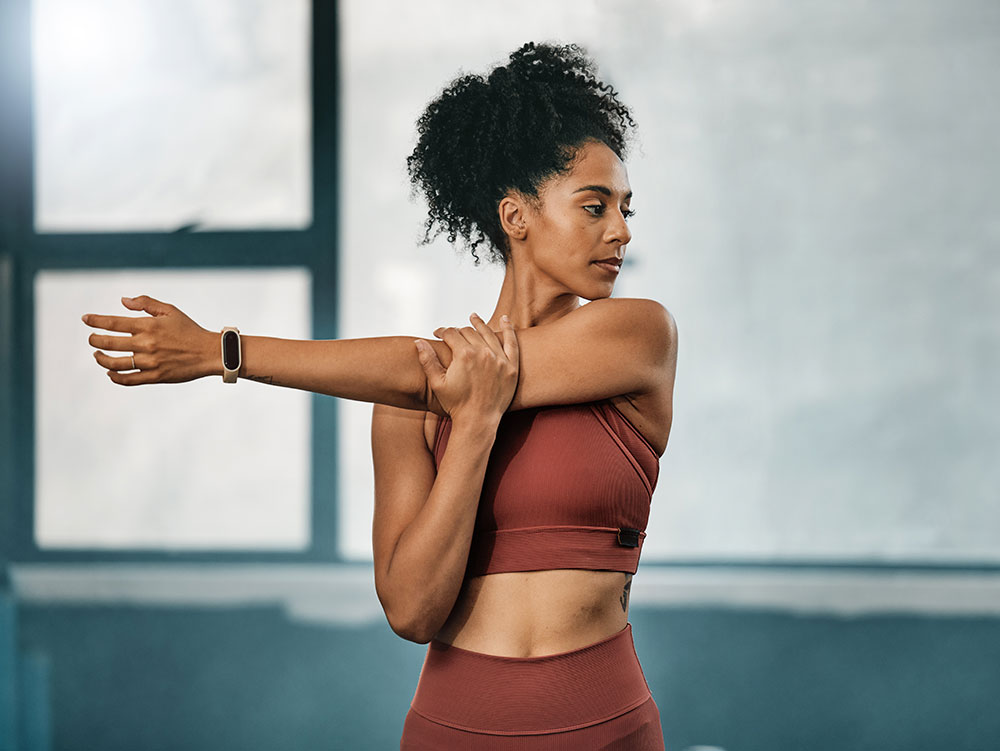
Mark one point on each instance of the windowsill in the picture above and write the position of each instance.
(344, 594)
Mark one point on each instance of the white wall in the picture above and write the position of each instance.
(814, 195)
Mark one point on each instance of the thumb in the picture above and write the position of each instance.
(431, 364)
(146, 303)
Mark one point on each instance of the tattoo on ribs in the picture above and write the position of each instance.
(624, 597)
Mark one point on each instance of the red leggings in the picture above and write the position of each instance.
(594, 698)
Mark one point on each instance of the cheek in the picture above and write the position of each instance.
(568, 231)
(560, 218)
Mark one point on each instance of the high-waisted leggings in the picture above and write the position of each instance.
(588, 699)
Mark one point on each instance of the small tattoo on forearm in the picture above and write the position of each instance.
(261, 379)
(624, 597)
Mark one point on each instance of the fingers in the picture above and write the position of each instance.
(510, 345)
(135, 378)
(471, 336)
(429, 361)
(488, 335)
(475, 337)
(452, 337)
(116, 363)
(148, 304)
(130, 324)
(114, 343)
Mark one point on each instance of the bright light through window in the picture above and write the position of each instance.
(161, 114)
(202, 465)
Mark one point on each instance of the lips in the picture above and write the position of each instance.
(611, 265)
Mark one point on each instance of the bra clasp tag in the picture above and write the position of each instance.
(628, 537)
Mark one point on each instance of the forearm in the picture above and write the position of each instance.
(427, 567)
(382, 370)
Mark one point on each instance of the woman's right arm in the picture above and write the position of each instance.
(606, 348)
(169, 347)
(424, 518)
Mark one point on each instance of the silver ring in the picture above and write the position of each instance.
(133, 363)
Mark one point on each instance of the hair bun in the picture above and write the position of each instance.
(509, 130)
(498, 75)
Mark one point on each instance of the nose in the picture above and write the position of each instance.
(618, 230)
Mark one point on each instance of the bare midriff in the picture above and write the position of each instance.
(534, 613)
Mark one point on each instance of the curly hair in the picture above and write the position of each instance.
(509, 130)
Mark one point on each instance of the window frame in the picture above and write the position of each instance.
(25, 252)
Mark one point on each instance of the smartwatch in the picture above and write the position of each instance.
(232, 354)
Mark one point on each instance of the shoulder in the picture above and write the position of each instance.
(628, 311)
(606, 348)
(644, 320)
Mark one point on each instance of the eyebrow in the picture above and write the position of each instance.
(603, 190)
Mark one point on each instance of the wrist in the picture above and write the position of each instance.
(475, 427)
(210, 356)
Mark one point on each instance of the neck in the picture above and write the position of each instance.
(530, 300)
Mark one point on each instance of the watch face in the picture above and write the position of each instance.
(231, 350)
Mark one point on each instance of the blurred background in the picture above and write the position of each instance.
(189, 567)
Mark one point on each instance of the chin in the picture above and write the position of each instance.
(593, 294)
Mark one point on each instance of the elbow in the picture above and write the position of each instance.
(408, 625)
(410, 617)
(410, 630)
(418, 638)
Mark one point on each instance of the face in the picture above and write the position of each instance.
(576, 235)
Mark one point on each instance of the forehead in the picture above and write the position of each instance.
(595, 164)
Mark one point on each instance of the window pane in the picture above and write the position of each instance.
(201, 465)
(159, 114)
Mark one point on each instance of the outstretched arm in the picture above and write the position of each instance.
(603, 349)
(169, 347)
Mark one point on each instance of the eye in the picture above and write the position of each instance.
(628, 213)
(594, 210)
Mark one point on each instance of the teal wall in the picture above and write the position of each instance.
(25, 703)
(8, 672)
(251, 679)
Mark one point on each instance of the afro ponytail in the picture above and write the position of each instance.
(509, 130)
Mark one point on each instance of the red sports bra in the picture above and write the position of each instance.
(565, 487)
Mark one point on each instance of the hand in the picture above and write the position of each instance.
(167, 347)
(482, 377)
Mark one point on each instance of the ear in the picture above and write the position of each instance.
(513, 211)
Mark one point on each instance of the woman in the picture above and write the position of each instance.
(513, 471)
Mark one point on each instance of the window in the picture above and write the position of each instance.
(156, 114)
(185, 466)
(167, 146)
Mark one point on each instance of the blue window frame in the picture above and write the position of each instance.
(24, 253)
